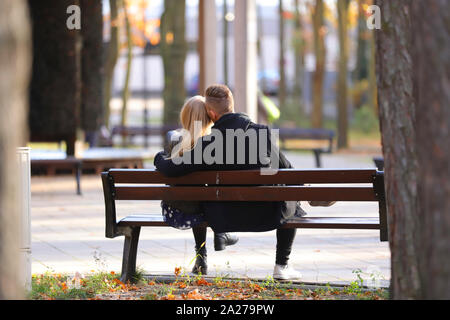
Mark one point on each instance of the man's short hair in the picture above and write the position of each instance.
(219, 98)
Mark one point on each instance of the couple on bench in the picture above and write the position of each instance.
(211, 139)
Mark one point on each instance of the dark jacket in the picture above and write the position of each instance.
(234, 216)
(187, 207)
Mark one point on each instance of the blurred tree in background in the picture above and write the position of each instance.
(15, 63)
(173, 53)
(111, 54)
(66, 84)
(281, 57)
(299, 44)
(92, 69)
(319, 30)
(342, 85)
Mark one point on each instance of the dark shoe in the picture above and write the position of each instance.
(200, 266)
(221, 240)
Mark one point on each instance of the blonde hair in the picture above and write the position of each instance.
(219, 98)
(195, 122)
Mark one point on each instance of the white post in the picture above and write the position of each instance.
(207, 44)
(245, 57)
(23, 159)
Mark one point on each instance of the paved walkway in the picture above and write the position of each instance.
(68, 236)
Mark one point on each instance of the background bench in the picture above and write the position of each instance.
(316, 140)
(145, 184)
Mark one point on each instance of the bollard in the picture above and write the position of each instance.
(23, 159)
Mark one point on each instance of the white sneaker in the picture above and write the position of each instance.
(286, 272)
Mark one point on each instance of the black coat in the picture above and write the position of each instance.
(230, 216)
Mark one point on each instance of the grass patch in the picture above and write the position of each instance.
(107, 286)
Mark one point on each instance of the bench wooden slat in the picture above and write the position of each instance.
(258, 193)
(146, 220)
(283, 176)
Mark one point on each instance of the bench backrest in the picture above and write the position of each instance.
(244, 185)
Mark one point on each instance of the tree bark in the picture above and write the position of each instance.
(318, 76)
(15, 62)
(397, 120)
(173, 52)
(413, 93)
(342, 87)
(430, 53)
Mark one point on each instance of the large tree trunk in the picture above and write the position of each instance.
(281, 58)
(342, 87)
(15, 60)
(319, 73)
(92, 71)
(397, 119)
(431, 51)
(413, 94)
(173, 51)
(55, 90)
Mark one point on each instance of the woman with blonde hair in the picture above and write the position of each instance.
(184, 215)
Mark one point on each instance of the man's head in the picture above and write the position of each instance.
(219, 101)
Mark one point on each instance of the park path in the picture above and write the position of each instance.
(68, 236)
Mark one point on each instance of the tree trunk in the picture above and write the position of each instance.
(299, 52)
(55, 89)
(431, 51)
(413, 94)
(397, 119)
(342, 87)
(318, 76)
(281, 61)
(372, 90)
(112, 54)
(126, 90)
(15, 61)
(173, 52)
(92, 71)
(361, 71)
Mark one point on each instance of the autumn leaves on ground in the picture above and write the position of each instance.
(107, 286)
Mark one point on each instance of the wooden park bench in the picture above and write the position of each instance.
(51, 166)
(304, 185)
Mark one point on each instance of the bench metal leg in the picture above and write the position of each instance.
(382, 208)
(317, 154)
(78, 169)
(129, 254)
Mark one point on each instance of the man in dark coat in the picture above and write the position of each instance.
(236, 143)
